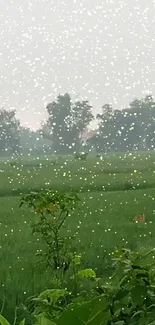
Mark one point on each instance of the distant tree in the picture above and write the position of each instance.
(59, 123)
(129, 129)
(106, 113)
(81, 118)
(33, 141)
(103, 138)
(9, 132)
(25, 137)
(144, 116)
(65, 123)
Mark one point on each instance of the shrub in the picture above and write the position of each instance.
(53, 209)
(127, 298)
(81, 156)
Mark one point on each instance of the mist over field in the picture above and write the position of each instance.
(102, 51)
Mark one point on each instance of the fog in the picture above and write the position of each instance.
(102, 51)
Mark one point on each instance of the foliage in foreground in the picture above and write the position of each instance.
(126, 298)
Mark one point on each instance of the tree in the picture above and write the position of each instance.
(129, 129)
(144, 113)
(33, 140)
(104, 137)
(9, 131)
(59, 123)
(81, 118)
(66, 122)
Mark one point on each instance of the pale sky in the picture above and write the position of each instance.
(101, 50)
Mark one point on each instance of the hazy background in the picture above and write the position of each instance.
(100, 50)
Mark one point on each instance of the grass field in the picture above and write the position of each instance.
(112, 190)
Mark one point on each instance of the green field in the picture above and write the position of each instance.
(112, 189)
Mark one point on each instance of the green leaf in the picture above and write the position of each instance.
(102, 318)
(121, 294)
(53, 295)
(150, 317)
(3, 321)
(22, 322)
(87, 273)
(92, 312)
(21, 203)
(120, 322)
(77, 259)
(138, 313)
(42, 320)
(124, 280)
(151, 306)
(138, 294)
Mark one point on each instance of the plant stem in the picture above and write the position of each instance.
(2, 308)
(57, 246)
(15, 318)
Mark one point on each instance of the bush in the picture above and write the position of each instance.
(81, 156)
(127, 298)
(53, 209)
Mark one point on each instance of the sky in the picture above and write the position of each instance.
(102, 50)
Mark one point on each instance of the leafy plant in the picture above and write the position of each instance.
(3, 321)
(50, 302)
(94, 312)
(87, 273)
(131, 289)
(53, 208)
(38, 320)
(128, 298)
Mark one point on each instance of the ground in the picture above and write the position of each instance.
(112, 189)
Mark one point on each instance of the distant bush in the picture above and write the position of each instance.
(13, 164)
(81, 155)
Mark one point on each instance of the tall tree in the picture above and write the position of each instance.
(144, 113)
(104, 138)
(81, 118)
(59, 124)
(129, 129)
(9, 131)
(66, 122)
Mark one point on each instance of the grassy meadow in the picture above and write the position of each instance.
(112, 189)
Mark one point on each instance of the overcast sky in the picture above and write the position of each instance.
(101, 50)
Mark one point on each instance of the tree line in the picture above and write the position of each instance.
(129, 129)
